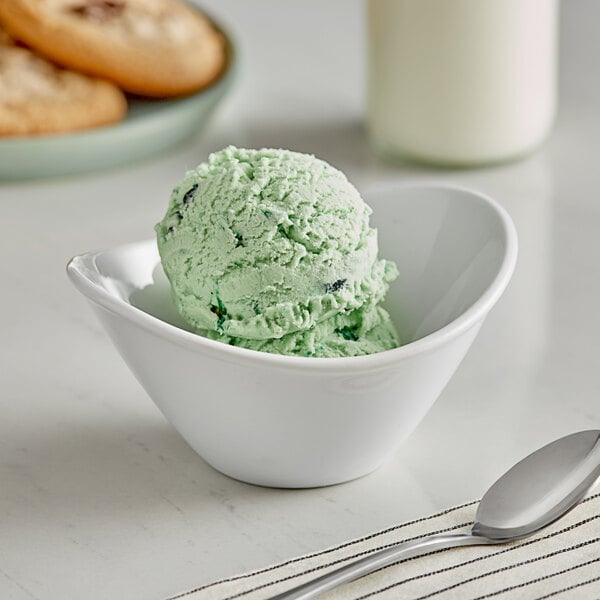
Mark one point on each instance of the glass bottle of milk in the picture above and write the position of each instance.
(461, 82)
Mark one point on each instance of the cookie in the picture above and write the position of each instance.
(36, 97)
(150, 47)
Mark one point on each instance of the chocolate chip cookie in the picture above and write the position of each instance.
(155, 48)
(36, 97)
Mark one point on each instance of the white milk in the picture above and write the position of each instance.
(461, 81)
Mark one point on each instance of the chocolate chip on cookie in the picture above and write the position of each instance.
(99, 10)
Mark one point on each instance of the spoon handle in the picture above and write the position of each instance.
(378, 560)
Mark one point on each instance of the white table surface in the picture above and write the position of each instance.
(100, 498)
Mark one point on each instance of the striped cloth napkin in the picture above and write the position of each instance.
(562, 561)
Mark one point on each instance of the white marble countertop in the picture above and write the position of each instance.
(100, 498)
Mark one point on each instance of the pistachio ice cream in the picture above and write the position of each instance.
(272, 250)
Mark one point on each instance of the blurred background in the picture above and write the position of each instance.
(149, 518)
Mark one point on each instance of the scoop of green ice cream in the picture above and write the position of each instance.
(259, 244)
(366, 330)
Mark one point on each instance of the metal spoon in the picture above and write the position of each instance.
(537, 491)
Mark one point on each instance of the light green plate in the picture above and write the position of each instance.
(151, 126)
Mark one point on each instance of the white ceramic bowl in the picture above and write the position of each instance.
(300, 422)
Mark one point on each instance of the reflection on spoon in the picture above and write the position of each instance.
(537, 491)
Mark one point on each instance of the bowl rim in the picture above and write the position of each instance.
(84, 263)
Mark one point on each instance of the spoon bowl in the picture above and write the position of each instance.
(534, 493)
(541, 488)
